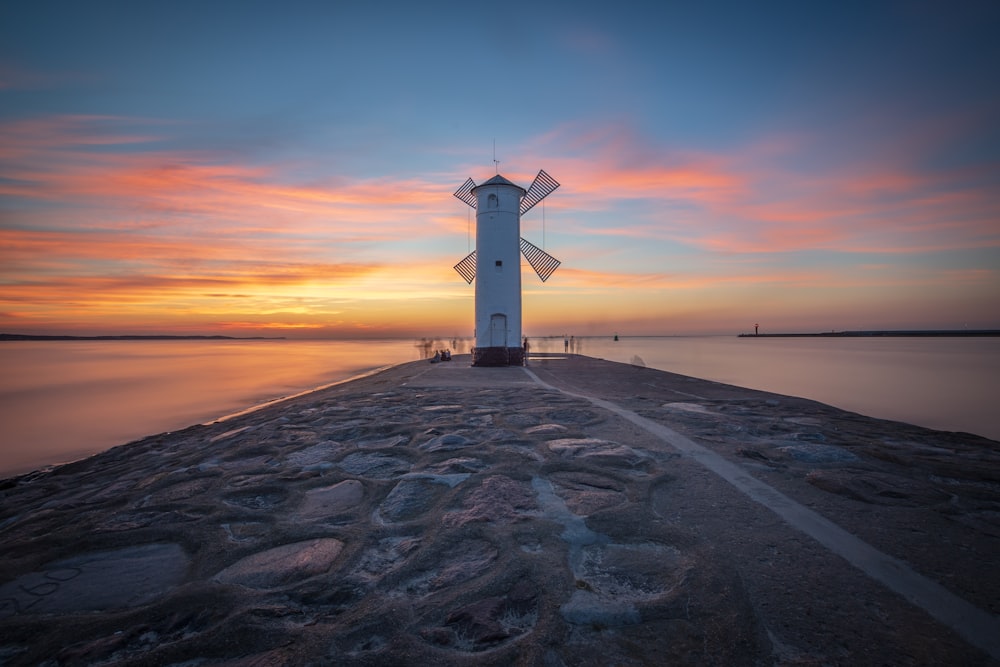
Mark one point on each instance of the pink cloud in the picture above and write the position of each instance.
(769, 196)
(175, 195)
(170, 228)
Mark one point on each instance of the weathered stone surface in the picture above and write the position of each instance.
(409, 499)
(120, 578)
(385, 556)
(488, 622)
(454, 515)
(586, 493)
(245, 531)
(316, 455)
(818, 454)
(282, 565)
(545, 429)
(377, 466)
(446, 442)
(383, 443)
(598, 451)
(499, 499)
(456, 564)
(880, 489)
(696, 408)
(579, 446)
(329, 501)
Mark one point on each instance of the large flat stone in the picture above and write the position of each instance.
(101, 580)
(283, 565)
(331, 500)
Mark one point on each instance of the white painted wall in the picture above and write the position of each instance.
(498, 287)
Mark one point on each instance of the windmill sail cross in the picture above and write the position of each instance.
(541, 187)
(499, 204)
(465, 193)
(467, 267)
(542, 262)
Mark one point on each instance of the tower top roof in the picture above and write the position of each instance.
(500, 180)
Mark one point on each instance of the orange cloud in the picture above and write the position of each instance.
(109, 226)
(268, 325)
(768, 196)
(52, 160)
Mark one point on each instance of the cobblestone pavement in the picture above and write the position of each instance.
(443, 514)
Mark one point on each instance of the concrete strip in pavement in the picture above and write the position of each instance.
(973, 624)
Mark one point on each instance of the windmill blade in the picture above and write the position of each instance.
(542, 262)
(539, 190)
(465, 193)
(467, 267)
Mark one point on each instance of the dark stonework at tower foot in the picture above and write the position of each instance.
(497, 356)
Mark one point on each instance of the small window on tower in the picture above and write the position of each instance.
(492, 201)
(499, 263)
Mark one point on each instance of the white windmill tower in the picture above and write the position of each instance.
(496, 267)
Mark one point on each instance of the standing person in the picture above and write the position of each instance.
(565, 344)
(525, 347)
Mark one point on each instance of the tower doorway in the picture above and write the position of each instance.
(498, 330)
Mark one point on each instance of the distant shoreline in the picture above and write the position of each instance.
(887, 334)
(131, 337)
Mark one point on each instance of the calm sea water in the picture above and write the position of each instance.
(63, 400)
(950, 384)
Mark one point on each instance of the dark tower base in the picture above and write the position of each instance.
(497, 356)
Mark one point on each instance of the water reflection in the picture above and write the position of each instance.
(67, 399)
(428, 347)
(61, 400)
(942, 383)
(559, 345)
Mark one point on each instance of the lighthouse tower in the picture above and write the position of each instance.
(495, 264)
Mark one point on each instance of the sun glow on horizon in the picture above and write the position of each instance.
(212, 190)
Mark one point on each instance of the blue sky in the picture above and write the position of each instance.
(249, 166)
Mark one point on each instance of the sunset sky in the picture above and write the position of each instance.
(265, 168)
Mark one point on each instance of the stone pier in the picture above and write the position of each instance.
(570, 512)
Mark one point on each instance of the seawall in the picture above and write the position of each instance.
(576, 511)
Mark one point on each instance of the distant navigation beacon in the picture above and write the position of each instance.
(495, 264)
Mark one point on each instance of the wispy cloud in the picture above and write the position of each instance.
(67, 159)
(772, 196)
(101, 219)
